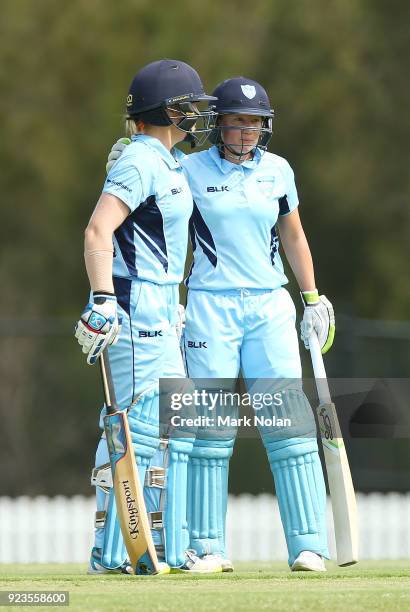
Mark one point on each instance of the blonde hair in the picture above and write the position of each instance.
(133, 127)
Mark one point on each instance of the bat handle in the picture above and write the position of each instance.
(319, 370)
(108, 386)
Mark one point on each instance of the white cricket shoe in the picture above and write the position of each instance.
(308, 561)
(226, 564)
(198, 565)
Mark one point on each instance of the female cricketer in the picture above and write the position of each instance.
(240, 317)
(144, 211)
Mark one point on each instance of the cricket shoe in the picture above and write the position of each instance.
(198, 565)
(96, 567)
(226, 564)
(308, 561)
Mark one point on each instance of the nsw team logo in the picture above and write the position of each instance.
(267, 188)
(249, 91)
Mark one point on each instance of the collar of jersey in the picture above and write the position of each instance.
(226, 166)
(157, 145)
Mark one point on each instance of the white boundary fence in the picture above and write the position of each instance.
(59, 530)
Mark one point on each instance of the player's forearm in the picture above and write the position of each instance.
(109, 213)
(298, 254)
(98, 255)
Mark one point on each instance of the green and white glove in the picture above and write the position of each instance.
(115, 152)
(319, 316)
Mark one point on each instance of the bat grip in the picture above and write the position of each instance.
(319, 370)
(108, 386)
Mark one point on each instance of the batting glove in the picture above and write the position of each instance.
(319, 316)
(98, 326)
(115, 152)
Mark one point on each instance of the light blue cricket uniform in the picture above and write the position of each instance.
(239, 316)
(233, 226)
(149, 256)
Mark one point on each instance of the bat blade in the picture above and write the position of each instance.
(340, 485)
(129, 493)
(128, 490)
(337, 466)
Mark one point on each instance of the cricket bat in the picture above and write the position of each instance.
(129, 496)
(337, 465)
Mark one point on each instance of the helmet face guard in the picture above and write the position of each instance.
(196, 123)
(240, 149)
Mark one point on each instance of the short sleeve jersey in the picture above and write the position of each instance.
(151, 243)
(233, 225)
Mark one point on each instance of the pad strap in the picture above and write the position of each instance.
(102, 477)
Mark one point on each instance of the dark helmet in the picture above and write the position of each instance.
(243, 97)
(168, 84)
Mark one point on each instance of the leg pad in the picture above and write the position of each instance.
(301, 492)
(208, 495)
(108, 534)
(163, 469)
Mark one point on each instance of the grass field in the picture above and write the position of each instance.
(377, 585)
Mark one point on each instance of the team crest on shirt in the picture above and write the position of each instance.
(267, 188)
(249, 91)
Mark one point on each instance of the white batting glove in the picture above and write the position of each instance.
(115, 152)
(98, 326)
(180, 324)
(319, 316)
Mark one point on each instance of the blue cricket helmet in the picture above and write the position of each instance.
(163, 84)
(244, 96)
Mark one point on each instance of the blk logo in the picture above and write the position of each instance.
(192, 344)
(149, 334)
(217, 189)
(176, 190)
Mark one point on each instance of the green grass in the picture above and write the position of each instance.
(377, 585)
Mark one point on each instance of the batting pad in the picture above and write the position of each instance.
(208, 469)
(301, 492)
(175, 507)
(114, 552)
(108, 535)
(164, 472)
